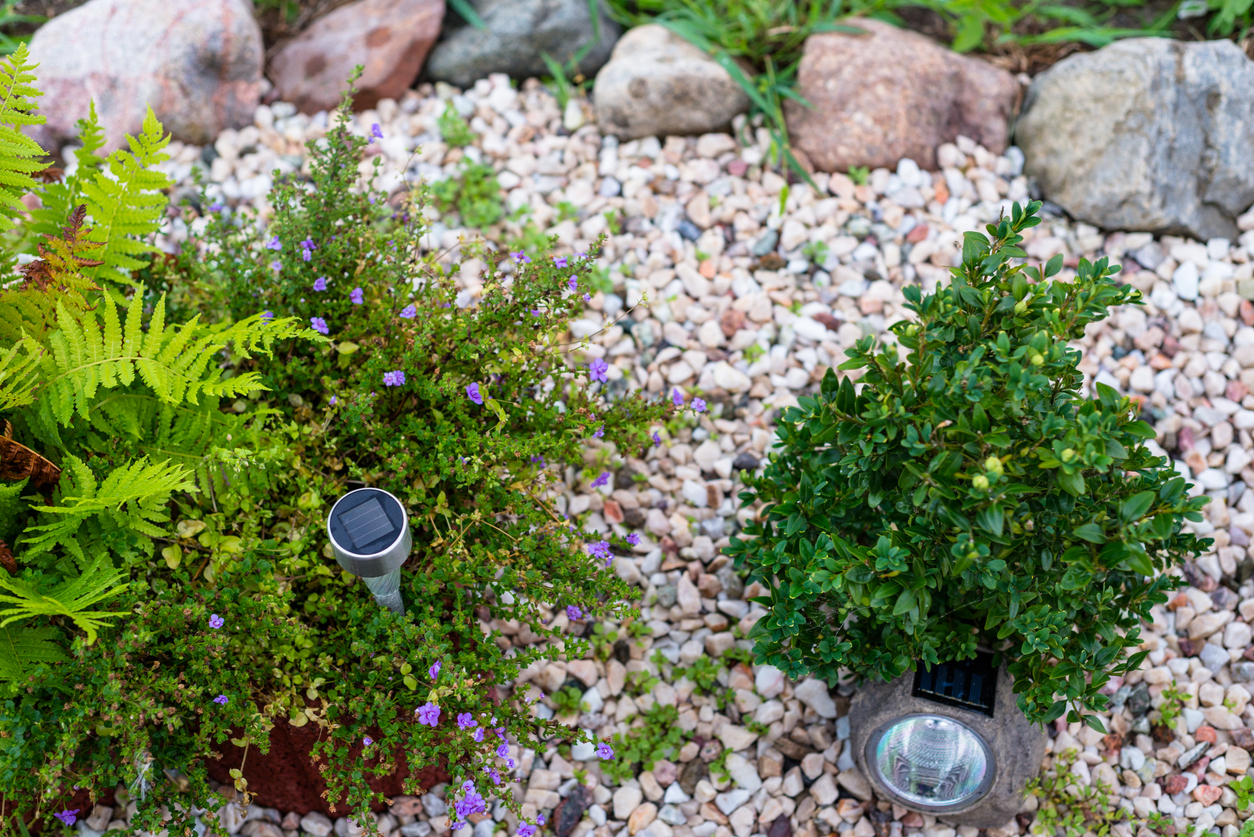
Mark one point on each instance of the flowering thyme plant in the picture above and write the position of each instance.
(467, 411)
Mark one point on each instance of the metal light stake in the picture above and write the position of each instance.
(369, 533)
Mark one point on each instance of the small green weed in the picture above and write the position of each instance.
(1172, 705)
(475, 196)
(640, 683)
(453, 129)
(599, 279)
(1090, 811)
(659, 737)
(614, 220)
(718, 767)
(603, 639)
(815, 251)
(567, 211)
(859, 174)
(1244, 789)
(754, 351)
(568, 700)
(1164, 825)
(532, 237)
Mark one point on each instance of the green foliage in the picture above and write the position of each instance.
(1160, 823)
(970, 497)
(17, 151)
(815, 251)
(1247, 830)
(453, 129)
(58, 198)
(859, 174)
(475, 196)
(562, 76)
(653, 735)
(1064, 807)
(567, 700)
(1244, 789)
(1172, 705)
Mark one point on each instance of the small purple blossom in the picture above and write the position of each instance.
(320, 284)
(221, 699)
(367, 741)
(503, 751)
(319, 325)
(68, 817)
(535, 312)
(601, 549)
(409, 312)
(472, 392)
(698, 405)
(466, 721)
(274, 244)
(216, 207)
(306, 255)
(495, 776)
(573, 282)
(479, 734)
(308, 244)
(573, 613)
(434, 671)
(216, 621)
(276, 265)
(521, 257)
(540, 819)
(393, 379)
(587, 298)
(600, 432)
(526, 829)
(559, 261)
(677, 398)
(375, 133)
(333, 400)
(267, 316)
(597, 370)
(601, 480)
(356, 296)
(657, 440)
(604, 751)
(429, 714)
(633, 539)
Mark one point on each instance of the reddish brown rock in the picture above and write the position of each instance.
(731, 321)
(391, 38)
(197, 64)
(1175, 784)
(1207, 795)
(893, 94)
(1205, 733)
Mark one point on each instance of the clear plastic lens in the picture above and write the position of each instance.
(930, 760)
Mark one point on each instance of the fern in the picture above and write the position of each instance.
(23, 648)
(133, 496)
(18, 368)
(127, 203)
(17, 151)
(58, 199)
(70, 598)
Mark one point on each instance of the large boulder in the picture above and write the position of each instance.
(658, 84)
(1146, 134)
(517, 32)
(197, 64)
(390, 38)
(893, 94)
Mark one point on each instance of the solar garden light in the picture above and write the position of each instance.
(370, 538)
(950, 742)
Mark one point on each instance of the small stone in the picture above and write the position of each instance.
(854, 782)
(1191, 755)
(814, 694)
(1207, 795)
(1213, 657)
(570, 811)
(1174, 784)
(769, 681)
(1237, 760)
(641, 817)
(731, 800)
(812, 765)
(1206, 624)
(743, 773)
(735, 737)
(1243, 738)
(1220, 718)
(1242, 672)
(824, 790)
(1204, 733)
(314, 823)
(626, 799)
(688, 598)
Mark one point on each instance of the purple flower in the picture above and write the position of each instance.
(698, 405)
(276, 265)
(274, 244)
(601, 549)
(355, 295)
(604, 751)
(600, 432)
(657, 440)
(308, 244)
(677, 398)
(216, 621)
(587, 298)
(306, 255)
(510, 762)
(472, 392)
(559, 261)
(216, 207)
(573, 282)
(601, 480)
(429, 714)
(67, 817)
(333, 400)
(573, 613)
(535, 312)
(267, 316)
(409, 312)
(526, 830)
(319, 325)
(633, 539)
(496, 777)
(393, 379)
(597, 370)
(521, 257)
(540, 819)
(375, 133)
(367, 741)
(466, 721)
(434, 671)
(479, 734)
(221, 699)
(320, 284)
(503, 751)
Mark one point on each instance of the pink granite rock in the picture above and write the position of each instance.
(197, 64)
(390, 38)
(893, 94)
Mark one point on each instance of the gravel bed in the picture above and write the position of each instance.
(1189, 353)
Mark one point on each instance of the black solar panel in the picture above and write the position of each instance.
(971, 684)
(366, 523)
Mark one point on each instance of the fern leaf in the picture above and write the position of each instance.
(127, 204)
(18, 370)
(58, 199)
(71, 598)
(18, 152)
(23, 648)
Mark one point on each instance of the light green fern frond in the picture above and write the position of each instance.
(127, 207)
(18, 152)
(70, 598)
(23, 648)
(131, 497)
(13, 510)
(19, 366)
(57, 200)
(174, 362)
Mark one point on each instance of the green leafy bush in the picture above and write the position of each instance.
(971, 497)
(475, 196)
(453, 129)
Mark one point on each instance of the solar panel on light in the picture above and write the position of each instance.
(366, 523)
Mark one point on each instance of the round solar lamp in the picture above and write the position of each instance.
(370, 538)
(949, 741)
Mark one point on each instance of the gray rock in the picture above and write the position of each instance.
(1145, 134)
(732, 583)
(1192, 754)
(667, 595)
(745, 462)
(1214, 657)
(316, 824)
(198, 65)
(766, 243)
(1243, 672)
(1139, 700)
(658, 84)
(517, 32)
